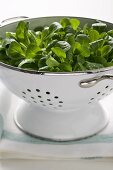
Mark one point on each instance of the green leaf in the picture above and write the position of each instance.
(82, 50)
(81, 67)
(105, 50)
(97, 44)
(56, 36)
(32, 37)
(91, 65)
(85, 51)
(77, 47)
(51, 62)
(22, 32)
(71, 40)
(69, 29)
(74, 23)
(42, 62)
(80, 59)
(6, 42)
(54, 27)
(3, 56)
(101, 60)
(86, 29)
(65, 22)
(59, 52)
(46, 68)
(65, 46)
(65, 67)
(100, 26)
(38, 38)
(32, 50)
(24, 48)
(104, 35)
(69, 56)
(45, 33)
(15, 50)
(110, 32)
(28, 63)
(93, 35)
(46, 37)
(83, 39)
(11, 35)
(51, 44)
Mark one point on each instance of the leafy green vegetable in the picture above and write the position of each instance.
(22, 32)
(91, 66)
(28, 63)
(15, 50)
(82, 50)
(63, 45)
(65, 22)
(83, 39)
(94, 35)
(65, 67)
(58, 47)
(74, 23)
(106, 50)
(54, 27)
(59, 52)
(95, 45)
(32, 50)
(100, 27)
(51, 62)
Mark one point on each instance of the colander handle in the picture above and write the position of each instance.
(13, 19)
(86, 83)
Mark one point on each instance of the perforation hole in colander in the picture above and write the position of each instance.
(42, 98)
(100, 94)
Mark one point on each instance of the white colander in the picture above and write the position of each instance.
(58, 106)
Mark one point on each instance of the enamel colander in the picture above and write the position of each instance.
(58, 106)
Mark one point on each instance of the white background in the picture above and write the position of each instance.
(99, 9)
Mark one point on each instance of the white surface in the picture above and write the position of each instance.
(57, 165)
(100, 9)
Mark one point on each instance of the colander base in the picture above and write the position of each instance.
(61, 126)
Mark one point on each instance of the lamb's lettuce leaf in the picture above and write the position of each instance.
(58, 47)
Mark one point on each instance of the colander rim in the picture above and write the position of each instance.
(94, 71)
